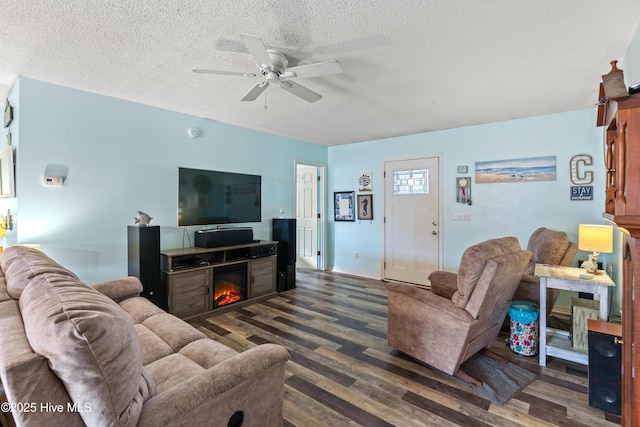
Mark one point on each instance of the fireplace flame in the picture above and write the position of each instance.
(226, 296)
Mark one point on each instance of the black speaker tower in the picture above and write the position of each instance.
(605, 366)
(143, 252)
(284, 232)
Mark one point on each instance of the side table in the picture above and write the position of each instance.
(551, 341)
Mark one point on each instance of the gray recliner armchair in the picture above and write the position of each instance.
(462, 313)
(547, 247)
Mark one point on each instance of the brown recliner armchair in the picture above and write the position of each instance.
(462, 313)
(547, 247)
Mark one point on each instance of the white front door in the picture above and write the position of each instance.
(412, 219)
(307, 216)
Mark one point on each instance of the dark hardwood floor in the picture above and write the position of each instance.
(342, 372)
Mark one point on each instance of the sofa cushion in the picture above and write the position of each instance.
(20, 264)
(173, 370)
(92, 346)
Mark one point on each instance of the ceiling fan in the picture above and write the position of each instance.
(272, 64)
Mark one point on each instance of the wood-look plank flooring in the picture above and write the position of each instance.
(342, 372)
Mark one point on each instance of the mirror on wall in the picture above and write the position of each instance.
(7, 184)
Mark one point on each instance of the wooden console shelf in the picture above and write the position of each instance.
(189, 275)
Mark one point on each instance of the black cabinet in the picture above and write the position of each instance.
(284, 232)
(143, 251)
(605, 366)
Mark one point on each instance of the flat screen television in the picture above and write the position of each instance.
(208, 197)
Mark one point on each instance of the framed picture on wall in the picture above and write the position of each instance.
(343, 206)
(365, 206)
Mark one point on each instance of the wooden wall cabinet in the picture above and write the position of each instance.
(623, 164)
(189, 275)
(630, 329)
(622, 206)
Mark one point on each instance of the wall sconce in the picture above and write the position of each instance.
(7, 221)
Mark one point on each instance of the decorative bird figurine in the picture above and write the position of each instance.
(588, 264)
(143, 219)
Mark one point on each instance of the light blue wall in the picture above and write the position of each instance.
(502, 209)
(123, 157)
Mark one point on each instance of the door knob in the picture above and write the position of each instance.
(434, 223)
(434, 232)
(618, 341)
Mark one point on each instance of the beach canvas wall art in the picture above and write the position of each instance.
(517, 170)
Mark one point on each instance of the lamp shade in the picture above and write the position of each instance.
(595, 238)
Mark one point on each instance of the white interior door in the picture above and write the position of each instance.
(307, 216)
(412, 219)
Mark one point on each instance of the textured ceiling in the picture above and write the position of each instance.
(410, 66)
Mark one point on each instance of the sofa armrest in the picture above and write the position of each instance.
(120, 289)
(253, 377)
(444, 283)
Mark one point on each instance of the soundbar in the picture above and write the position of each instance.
(224, 237)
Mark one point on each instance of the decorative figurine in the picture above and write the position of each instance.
(143, 219)
(589, 264)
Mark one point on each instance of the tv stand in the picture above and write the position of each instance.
(189, 275)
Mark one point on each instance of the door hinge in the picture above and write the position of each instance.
(318, 178)
(318, 253)
(318, 216)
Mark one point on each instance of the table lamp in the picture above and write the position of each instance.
(597, 239)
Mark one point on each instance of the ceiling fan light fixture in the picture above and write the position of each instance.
(272, 76)
(272, 64)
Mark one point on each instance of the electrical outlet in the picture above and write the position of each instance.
(461, 216)
(610, 270)
(356, 255)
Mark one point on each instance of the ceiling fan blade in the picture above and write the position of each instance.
(300, 91)
(255, 91)
(222, 73)
(258, 50)
(314, 70)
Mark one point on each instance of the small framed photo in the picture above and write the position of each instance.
(364, 181)
(343, 206)
(365, 206)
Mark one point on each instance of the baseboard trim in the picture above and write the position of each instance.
(351, 273)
